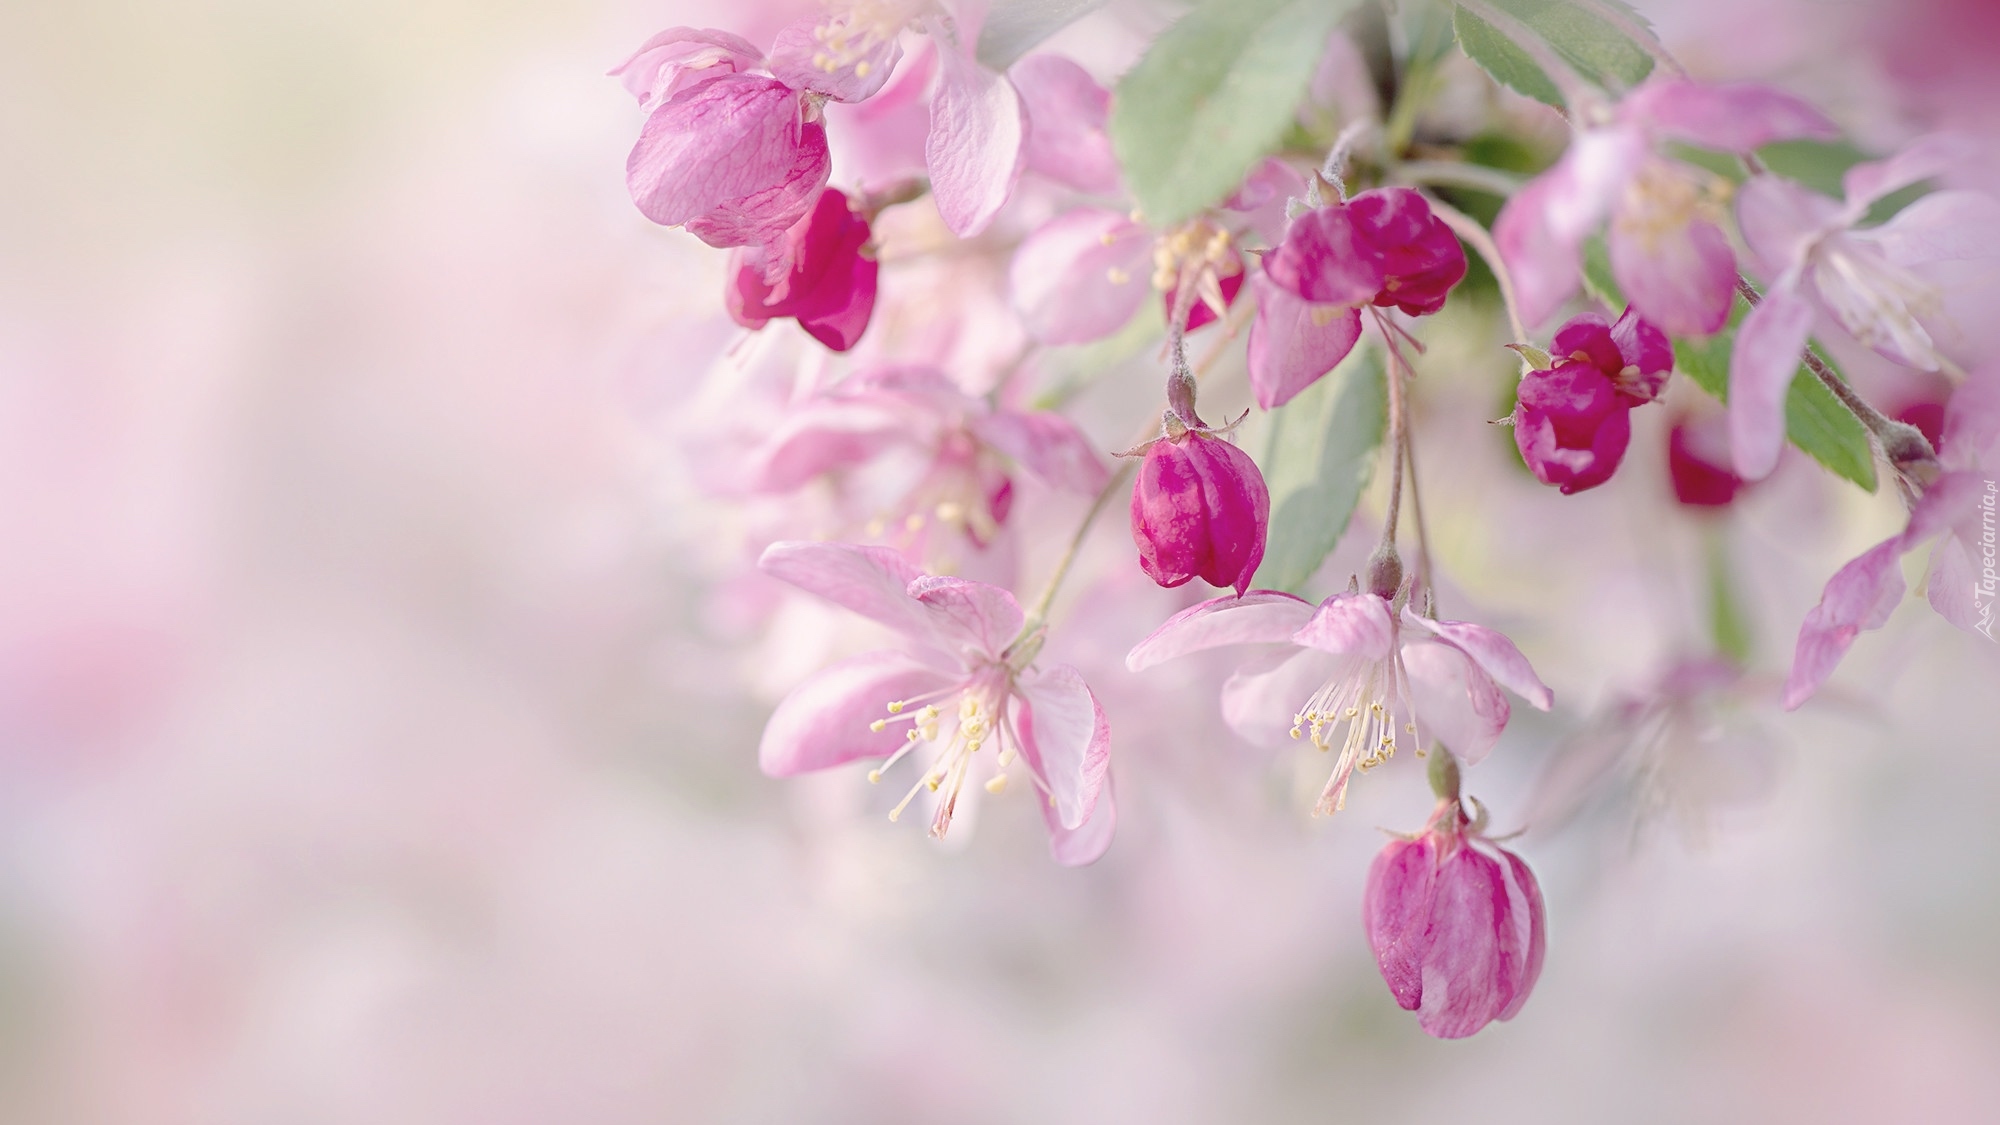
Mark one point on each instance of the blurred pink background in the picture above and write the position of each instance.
(378, 701)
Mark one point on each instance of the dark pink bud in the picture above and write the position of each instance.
(1698, 462)
(1382, 246)
(1571, 425)
(1458, 933)
(820, 273)
(1199, 510)
(1633, 354)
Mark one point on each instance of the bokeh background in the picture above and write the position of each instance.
(379, 687)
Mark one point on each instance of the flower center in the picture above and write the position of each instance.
(1876, 301)
(954, 732)
(847, 39)
(1361, 706)
(1663, 198)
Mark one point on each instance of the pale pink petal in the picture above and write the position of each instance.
(1396, 908)
(1456, 702)
(1954, 585)
(723, 140)
(872, 581)
(1950, 242)
(1261, 699)
(1949, 499)
(1540, 231)
(1077, 847)
(1045, 444)
(825, 720)
(1857, 598)
(979, 617)
(1464, 974)
(1067, 110)
(764, 216)
(1922, 159)
(1494, 652)
(1356, 624)
(821, 438)
(1780, 219)
(1263, 195)
(1682, 280)
(977, 140)
(1761, 368)
(1530, 918)
(797, 53)
(1735, 117)
(1293, 342)
(1065, 739)
(1082, 275)
(1260, 616)
(881, 140)
(681, 57)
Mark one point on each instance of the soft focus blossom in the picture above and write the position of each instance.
(1457, 925)
(1668, 250)
(821, 273)
(1356, 674)
(966, 684)
(1879, 284)
(1572, 421)
(1698, 461)
(1199, 510)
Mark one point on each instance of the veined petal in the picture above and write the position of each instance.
(1357, 624)
(974, 615)
(1466, 983)
(1067, 110)
(1455, 701)
(797, 54)
(724, 140)
(872, 581)
(1761, 368)
(977, 141)
(1293, 341)
(825, 721)
(680, 57)
(765, 215)
(1046, 444)
(1530, 918)
(1734, 117)
(1396, 908)
(1260, 616)
(1082, 275)
(1493, 652)
(1951, 586)
(1858, 597)
(1780, 220)
(1065, 739)
(1260, 699)
(1920, 160)
(1078, 847)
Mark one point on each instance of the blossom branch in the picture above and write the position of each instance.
(1037, 620)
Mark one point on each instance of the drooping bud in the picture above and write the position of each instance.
(1382, 247)
(1199, 510)
(820, 272)
(1572, 422)
(1698, 462)
(1457, 926)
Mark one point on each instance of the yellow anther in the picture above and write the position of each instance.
(972, 746)
(896, 708)
(874, 777)
(909, 736)
(997, 783)
(875, 528)
(1295, 732)
(1117, 276)
(929, 714)
(932, 781)
(862, 68)
(878, 724)
(914, 522)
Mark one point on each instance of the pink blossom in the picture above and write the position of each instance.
(1199, 509)
(1885, 285)
(963, 448)
(1572, 422)
(1358, 676)
(1668, 250)
(967, 683)
(1457, 925)
(979, 127)
(1383, 247)
(1698, 462)
(1067, 111)
(821, 273)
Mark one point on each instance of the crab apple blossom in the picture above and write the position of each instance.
(1698, 462)
(1456, 923)
(1572, 421)
(821, 273)
(967, 684)
(1199, 510)
(1662, 216)
(1359, 674)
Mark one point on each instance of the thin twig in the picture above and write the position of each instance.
(1456, 173)
(1037, 616)
(1476, 236)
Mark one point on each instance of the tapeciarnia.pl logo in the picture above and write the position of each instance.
(1988, 586)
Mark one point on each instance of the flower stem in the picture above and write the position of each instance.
(1385, 569)
(1038, 614)
(1476, 236)
(1457, 173)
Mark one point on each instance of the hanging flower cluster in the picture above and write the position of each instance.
(972, 240)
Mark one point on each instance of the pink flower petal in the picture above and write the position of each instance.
(1293, 342)
(1780, 220)
(681, 57)
(1953, 587)
(1082, 275)
(1045, 444)
(1761, 368)
(1859, 597)
(1530, 917)
(722, 141)
(1078, 847)
(1540, 231)
(1494, 652)
(977, 140)
(872, 581)
(1356, 624)
(825, 720)
(982, 618)
(1065, 740)
(1264, 195)
(1922, 159)
(1260, 698)
(796, 53)
(1396, 909)
(823, 437)
(1681, 280)
(1456, 702)
(1465, 982)
(1067, 110)
(1734, 117)
(1260, 616)
(765, 215)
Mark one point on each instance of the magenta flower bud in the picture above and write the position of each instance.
(1199, 510)
(819, 272)
(1457, 926)
(1572, 422)
(1698, 462)
(1382, 247)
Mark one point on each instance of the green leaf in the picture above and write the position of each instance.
(1213, 94)
(1015, 27)
(1509, 65)
(1318, 455)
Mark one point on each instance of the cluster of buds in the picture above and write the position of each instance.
(1572, 417)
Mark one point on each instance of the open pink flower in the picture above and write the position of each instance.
(1572, 421)
(1199, 510)
(966, 685)
(1457, 925)
(821, 273)
(1882, 284)
(1356, 675)
(1383, 247)
(950, 453)
(1668, 250)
